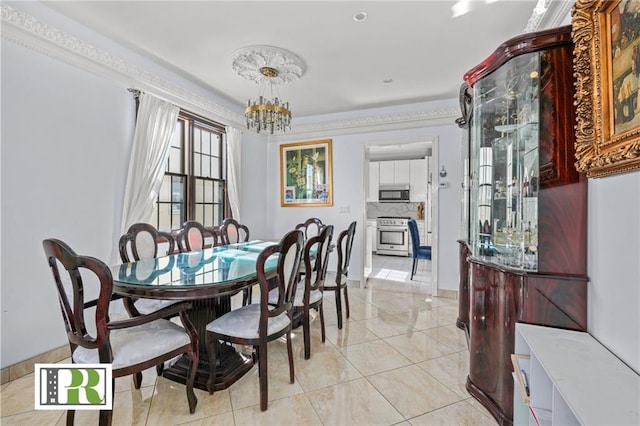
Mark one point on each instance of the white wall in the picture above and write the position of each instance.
(65, 147)
(614, 265)
(348, 195)
(253, 194)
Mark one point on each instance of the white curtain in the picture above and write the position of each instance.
(155, 126)
(233, 172)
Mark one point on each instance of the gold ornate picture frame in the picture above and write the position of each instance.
(305, 174)
(607, 70)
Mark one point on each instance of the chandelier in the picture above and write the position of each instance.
(265, 114)
(268, 66)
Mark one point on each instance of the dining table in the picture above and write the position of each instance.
(207, 279)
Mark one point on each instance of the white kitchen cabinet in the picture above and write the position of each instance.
(571, 379)
(401, 172)
(387, 172)
(395, 172)
(374, 181)
(418, 180)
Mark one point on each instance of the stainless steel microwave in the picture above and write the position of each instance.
(393, 193)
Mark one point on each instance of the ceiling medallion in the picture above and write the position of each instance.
(268, 66)
(248, 61)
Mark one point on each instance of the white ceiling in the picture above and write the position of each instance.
(418, 44)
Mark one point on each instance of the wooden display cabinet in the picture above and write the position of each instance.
(527, 207)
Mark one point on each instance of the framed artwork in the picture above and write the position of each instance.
(305, 174)
(607, 70)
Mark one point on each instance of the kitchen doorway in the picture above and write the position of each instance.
(413, 163)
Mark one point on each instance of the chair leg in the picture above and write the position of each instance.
(262, 376)
(290, 353)
(106, 416)
(70, 417)
(246, 296)
(346, 300)
(306, 333)
(191, 396)
(137, 380)
(321, 310)
(212, 348)
(339, 306)
(413, 269)
(160, 369)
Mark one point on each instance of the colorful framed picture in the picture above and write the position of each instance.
(607, 97)
(305, 174)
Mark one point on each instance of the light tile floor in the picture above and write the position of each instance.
(399, 360)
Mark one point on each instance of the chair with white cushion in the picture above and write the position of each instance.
(311, 227)
(131, 345)
(337, 281)
(143, 241)
(309, 291)
(233, 232)
(260, 323)
(193, 237)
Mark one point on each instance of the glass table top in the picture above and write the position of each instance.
(214, 266)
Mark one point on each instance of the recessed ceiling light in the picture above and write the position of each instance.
(387, 80)
(360, 16)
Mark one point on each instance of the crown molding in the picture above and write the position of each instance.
(548, 14)
(369, 124)
(29, 32)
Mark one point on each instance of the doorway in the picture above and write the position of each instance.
(416, 162)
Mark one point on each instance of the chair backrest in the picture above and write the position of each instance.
(72, 301)
(415, 236)
(144, 241)
(311, 227)
(232, 232)
(289, 251)
(192, 237)
(317, 264)
(345, 243)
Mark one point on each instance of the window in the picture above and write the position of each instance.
(194, 183)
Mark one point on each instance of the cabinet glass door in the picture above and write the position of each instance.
(504, 164)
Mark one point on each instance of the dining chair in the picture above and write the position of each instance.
(260, 323)
(309, 292)
(143, 241)
(338, 279)
(131, 345)
(193, 236)
(418, 251)
(233, 232)
(311, 227)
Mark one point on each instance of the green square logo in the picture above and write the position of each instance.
(73, 387)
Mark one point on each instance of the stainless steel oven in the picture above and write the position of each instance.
(392, 236)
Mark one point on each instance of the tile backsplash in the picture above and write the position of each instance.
(375, 210)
